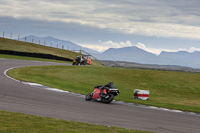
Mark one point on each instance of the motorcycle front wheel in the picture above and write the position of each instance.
(89, 97)
(108, 99)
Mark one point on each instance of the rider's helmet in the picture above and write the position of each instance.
(110, 85)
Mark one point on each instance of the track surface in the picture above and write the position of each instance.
(18, 97)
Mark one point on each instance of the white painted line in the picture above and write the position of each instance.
(34, 84)
(83, 96)
(177, 111)
(5, 73)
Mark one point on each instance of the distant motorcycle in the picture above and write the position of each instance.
(82, 60)
(103, 93)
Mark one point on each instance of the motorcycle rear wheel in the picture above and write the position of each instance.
(109, 99)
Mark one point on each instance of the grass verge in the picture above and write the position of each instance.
(173, 90)
(20, 123)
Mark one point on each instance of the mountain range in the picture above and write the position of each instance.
(129, 54)
(135, 54)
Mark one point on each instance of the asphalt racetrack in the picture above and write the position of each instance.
(18, 97)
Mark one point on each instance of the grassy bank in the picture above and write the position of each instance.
(174, 90)
(9, 44)
(21, 123)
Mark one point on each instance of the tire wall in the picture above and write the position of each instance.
(36, 55)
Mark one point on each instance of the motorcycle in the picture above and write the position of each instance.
(82, 60)
(103, 93)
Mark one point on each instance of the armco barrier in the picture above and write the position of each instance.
(36, 55)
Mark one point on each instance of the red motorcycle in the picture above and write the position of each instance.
(103, 93)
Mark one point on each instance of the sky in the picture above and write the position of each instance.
(152, 25)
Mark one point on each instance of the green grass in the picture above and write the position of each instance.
(174, 90)
(21, 123)
(9, 44)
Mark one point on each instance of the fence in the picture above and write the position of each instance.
(37, 41)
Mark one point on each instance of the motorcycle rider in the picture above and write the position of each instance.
(103, 87)
(110, 85)
(103, 93)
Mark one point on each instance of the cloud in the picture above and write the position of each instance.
(102, 46)
(116, 45)
(193, 49)
(150, 18)
(157, 51)
(98, 48)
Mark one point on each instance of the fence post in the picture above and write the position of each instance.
(3, 33)
(18, 37)
(25, 39)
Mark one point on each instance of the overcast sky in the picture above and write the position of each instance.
(153, 25)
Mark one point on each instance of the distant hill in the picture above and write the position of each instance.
(134, 54)
(57, 43)
(182, 58)
(129, 54)
(148, 66)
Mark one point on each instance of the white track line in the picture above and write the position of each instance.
(83, 96)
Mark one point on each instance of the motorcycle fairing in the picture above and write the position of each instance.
(96, 93)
